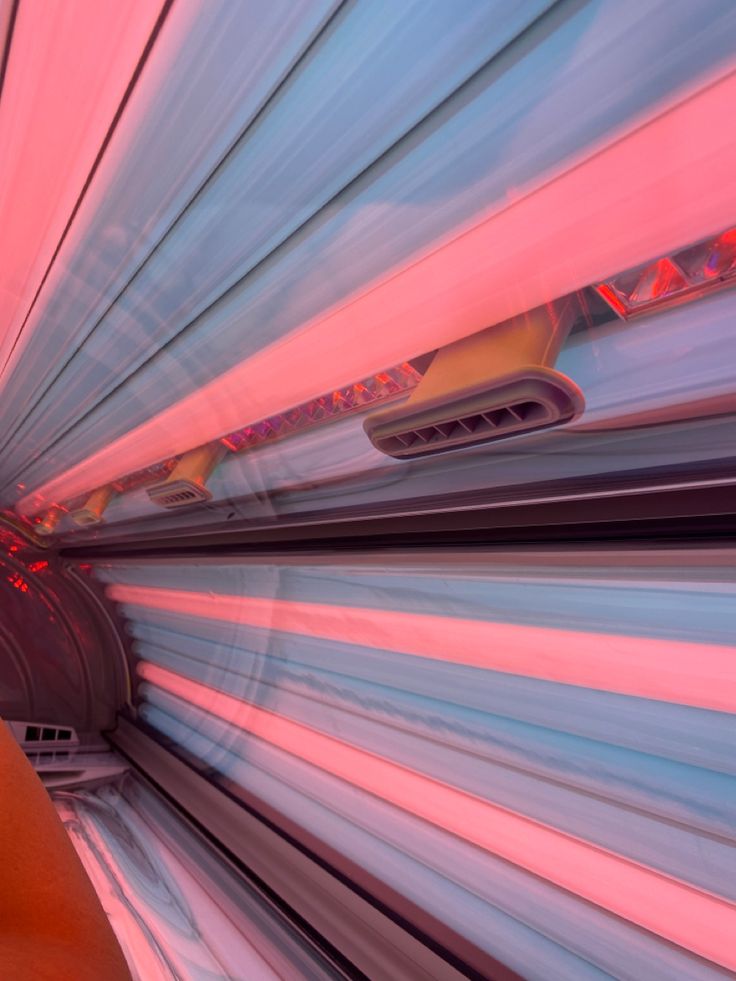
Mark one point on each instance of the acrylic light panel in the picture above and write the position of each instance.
(481, 734)
(441, 163)
(249, 141)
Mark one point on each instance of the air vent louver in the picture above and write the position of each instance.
(486, 387)
(187, 483)
(178, 494)
(35, 736)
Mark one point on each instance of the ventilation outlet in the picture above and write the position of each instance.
(41, 736)
(91, 512)
(486, 387)
(187, 483)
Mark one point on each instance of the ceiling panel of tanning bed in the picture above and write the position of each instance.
(659, 395)
(373, 73)
(387, 215)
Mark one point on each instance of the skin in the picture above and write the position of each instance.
(52, 925)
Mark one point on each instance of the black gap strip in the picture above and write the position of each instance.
(698, 516)
(714, 533)
(98, 159)
(8, 42)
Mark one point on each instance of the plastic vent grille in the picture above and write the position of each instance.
(39, 736)
(177, 494)
(475, 427)
(542, 399)
(35, 734)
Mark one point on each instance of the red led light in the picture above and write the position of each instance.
(381, 387)
(612, 299)
(18, 582)
(722, 259)
(683, 276)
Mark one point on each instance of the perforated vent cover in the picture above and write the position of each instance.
(173, 494)
(37, 735)
(538, 399)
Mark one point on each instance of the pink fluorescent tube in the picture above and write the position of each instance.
(69, 66)
(686, 672)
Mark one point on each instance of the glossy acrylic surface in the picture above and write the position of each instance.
(177, 909)
(537, 751)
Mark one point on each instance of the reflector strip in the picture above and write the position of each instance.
(118, 831)
(690, 673)
(378, 389)
(684, 915)
(686, 275)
